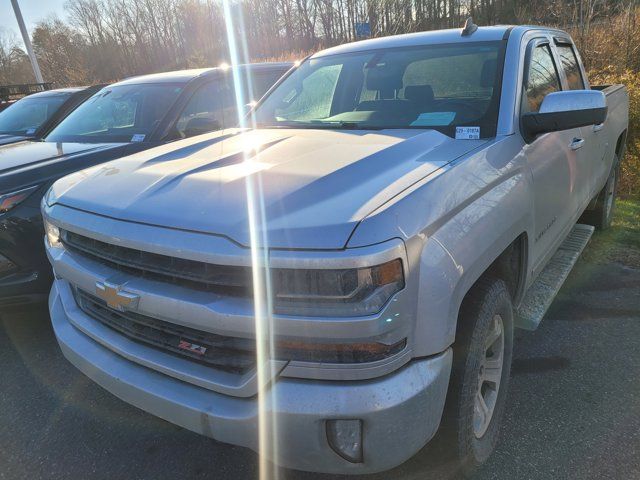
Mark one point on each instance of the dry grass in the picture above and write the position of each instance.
(285, 57)
(621, 243)
(630, 179)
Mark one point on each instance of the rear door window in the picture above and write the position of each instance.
(260, 83)
(203, 112)
(570, 67)
(214, 106)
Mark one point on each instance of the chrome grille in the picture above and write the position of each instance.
(224, 279)
(225, 353)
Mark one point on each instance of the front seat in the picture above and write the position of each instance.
(386, 81)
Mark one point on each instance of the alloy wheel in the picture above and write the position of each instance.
(489, 377)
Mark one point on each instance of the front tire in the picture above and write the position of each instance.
(482, 355)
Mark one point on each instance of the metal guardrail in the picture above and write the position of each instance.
(12, 92)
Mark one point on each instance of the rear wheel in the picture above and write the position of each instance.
(481, 366)
(602, 214)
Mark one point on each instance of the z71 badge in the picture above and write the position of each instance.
(192, 347)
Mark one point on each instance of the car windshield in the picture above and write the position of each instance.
(121, 113)
(438, 87)
(27, 115)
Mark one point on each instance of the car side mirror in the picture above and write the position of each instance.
(247, 107)
(200, 125)
(565, 110)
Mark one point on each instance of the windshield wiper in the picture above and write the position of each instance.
(354, 126)
(339, 125)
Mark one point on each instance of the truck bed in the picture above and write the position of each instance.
(618, 111)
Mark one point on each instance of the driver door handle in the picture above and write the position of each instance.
(576, 143)
(598, 127)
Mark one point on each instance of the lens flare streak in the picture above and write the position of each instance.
(267, 423)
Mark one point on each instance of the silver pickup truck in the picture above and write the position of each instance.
(332, 282)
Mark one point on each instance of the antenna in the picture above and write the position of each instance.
(469, 27)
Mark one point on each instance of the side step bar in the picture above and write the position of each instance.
(541, 293)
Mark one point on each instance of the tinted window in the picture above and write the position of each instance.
(432, 87)
(203, 113)
(570, 66)
(121, 113)
(253, 87)
(260, 83)
(27, 115)
(542, 79)
(215, 106)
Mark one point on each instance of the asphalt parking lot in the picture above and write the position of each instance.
(573, 409)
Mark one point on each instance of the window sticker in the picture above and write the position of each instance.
(467, 133)
(30, 131)
(138, 137)
(433, 119)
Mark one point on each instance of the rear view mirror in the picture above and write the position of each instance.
(200, 125)
(565, 110)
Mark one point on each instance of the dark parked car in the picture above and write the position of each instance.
(10, 94)
(32, 117)
(121, 119)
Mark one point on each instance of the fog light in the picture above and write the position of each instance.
(6, 265)
(345, 438)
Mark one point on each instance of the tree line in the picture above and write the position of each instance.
(106, 40)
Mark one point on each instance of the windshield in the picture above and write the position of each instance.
(27, 115)
(440, 87)
(123, 113)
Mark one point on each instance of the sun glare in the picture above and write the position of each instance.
(267, 434)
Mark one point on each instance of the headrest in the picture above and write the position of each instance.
(488, 74)
(384, 78)
(421, 94)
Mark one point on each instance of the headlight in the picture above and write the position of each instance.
(344, 292)
(10, 200)
(50, 197)
(53, 233)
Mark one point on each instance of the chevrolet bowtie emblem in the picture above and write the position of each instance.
(115, 297)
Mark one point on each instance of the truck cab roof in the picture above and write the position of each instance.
(434, 37)
(57, 91)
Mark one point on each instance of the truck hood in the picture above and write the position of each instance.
(5, 139)
(313, 186)
(18, 156)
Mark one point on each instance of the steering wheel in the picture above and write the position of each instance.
(465, 106)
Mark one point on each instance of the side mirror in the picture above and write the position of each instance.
(247, 107)
(565, 110)
(200, 125)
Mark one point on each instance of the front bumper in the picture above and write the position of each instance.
(400, 412)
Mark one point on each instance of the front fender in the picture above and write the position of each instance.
(456, 255)
(455, 223)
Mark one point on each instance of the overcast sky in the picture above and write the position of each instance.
(33, 11)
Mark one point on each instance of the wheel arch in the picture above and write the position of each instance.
(621, 145)
(510, 266)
